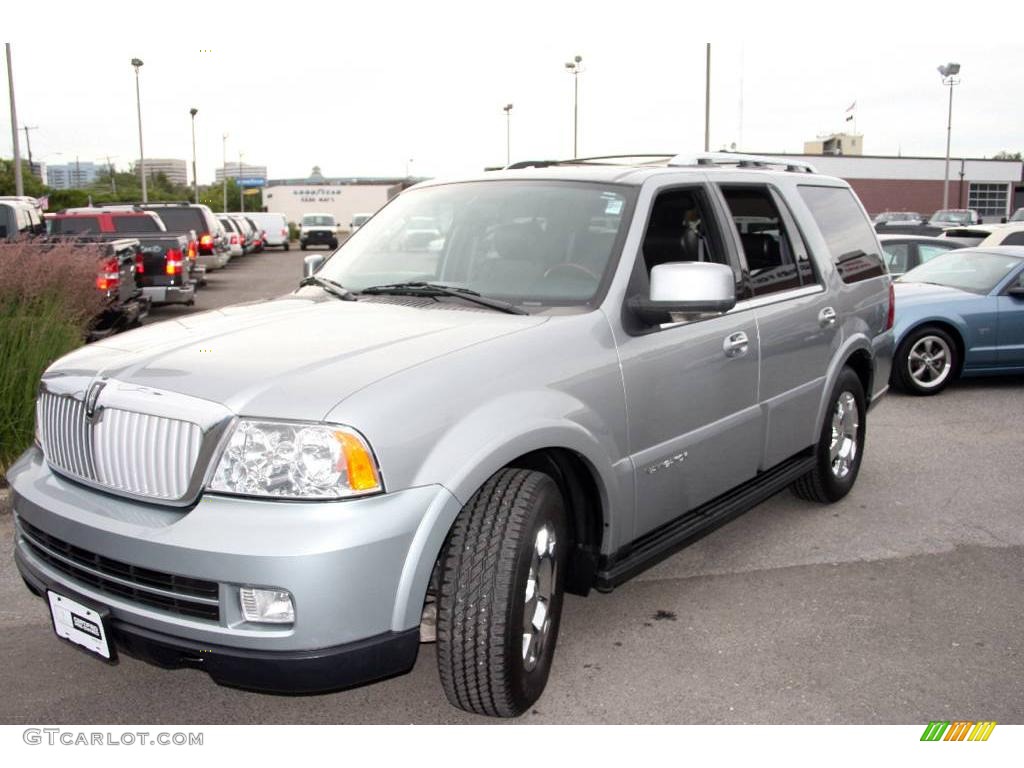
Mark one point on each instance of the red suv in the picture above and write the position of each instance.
(101, 221)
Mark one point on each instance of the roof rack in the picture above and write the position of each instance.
(740, 161)
(646, 159)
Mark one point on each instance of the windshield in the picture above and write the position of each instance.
(952, 217)
(317, 221)
(1018, 215)
(528, 242)
(973, 271)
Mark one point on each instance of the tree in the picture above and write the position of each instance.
(33, 186)
(1004, 155)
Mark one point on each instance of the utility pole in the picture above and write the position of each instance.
(28, 142)
(19, 184)
(508, 134)
(707, 101)
(949, 72)
(224, 169)
(195, 179)
(78, 173)
(113, 181)
(241, 189)
(574, 67)
(138, 103)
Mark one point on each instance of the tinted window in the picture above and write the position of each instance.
(228, 224)
(896, 255)
(850, 238)
(1014, 238)
(74, 225)
(677, 231)
(768, 245)
(135, 224)
(182, 219)
(312, 220)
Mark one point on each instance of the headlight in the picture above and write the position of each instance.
(296, 461)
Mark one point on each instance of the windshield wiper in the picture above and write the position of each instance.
(420, 288)
(333, 288)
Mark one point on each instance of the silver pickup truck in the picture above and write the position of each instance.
(583, 367)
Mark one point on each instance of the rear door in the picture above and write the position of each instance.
(797, 318)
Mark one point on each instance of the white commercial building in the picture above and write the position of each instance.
(341, 196)
(241, 170)
(175, 170)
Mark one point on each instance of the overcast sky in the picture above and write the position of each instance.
(361, 88)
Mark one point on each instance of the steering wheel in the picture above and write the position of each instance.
(570, 265)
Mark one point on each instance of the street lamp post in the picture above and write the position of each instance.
(508, 134)
(137, 63)
(195, 179)
(575, 67)
(949, 74)
(224, 169)
(19, 187)
(241, 189)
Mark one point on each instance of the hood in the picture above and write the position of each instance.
(290, 358)
(912, 294)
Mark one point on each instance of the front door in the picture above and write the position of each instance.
(690, 387)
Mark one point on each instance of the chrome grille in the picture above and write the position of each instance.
(124, 451)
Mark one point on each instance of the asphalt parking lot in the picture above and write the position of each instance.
(904, 603)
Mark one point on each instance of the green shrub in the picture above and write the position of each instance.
(48, 299)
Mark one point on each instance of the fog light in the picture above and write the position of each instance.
(267, 606)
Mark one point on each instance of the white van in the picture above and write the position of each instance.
(275, 225)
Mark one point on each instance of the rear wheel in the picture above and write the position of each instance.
(925, 362)
(500, 601)
(840, 447)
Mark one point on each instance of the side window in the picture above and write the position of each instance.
(928, 252)
(851, 240)
(896, 257)
(679, 230)
(767, 244)
(1014, 238)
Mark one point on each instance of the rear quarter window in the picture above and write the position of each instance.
(135, 224)
(847, 231)
(74, 225)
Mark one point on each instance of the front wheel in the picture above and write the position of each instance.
(925, 362)
(840, 446)
(502, 577)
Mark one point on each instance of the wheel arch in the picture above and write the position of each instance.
(950, 327)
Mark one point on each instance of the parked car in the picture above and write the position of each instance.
(235, 236)
(904, 252)
(318, 229)
(30, 216)
(259, 236)
(96, 221)
(358, 220)
(17, 220)
(248, 231)
(162, 268)
(1006, 234)
(591, 371)
(970, 235)
(954, 217)
(960, 314)
(1018, 215)
(898, 218)
(212, 250)
(275, 228)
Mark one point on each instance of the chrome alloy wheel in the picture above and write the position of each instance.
(540, 588)
(930, 362)
(842, 451)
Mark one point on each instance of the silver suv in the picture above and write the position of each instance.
(584, 367)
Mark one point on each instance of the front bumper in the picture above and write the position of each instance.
(357, 571)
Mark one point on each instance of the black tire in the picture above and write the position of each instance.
(287, 246)
(485, 569)
(303, 246)
(825, 483)
(939, 348)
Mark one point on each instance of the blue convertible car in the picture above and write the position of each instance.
(960, 314)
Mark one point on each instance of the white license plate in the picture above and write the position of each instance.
(80, 624)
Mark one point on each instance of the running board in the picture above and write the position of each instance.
(668, 539)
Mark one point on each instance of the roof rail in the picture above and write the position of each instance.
(740, 161)
(645, 159)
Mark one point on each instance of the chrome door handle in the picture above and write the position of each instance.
(827, 316)
(736, 344)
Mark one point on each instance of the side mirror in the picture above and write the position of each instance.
(312, 263)
(690, 288)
